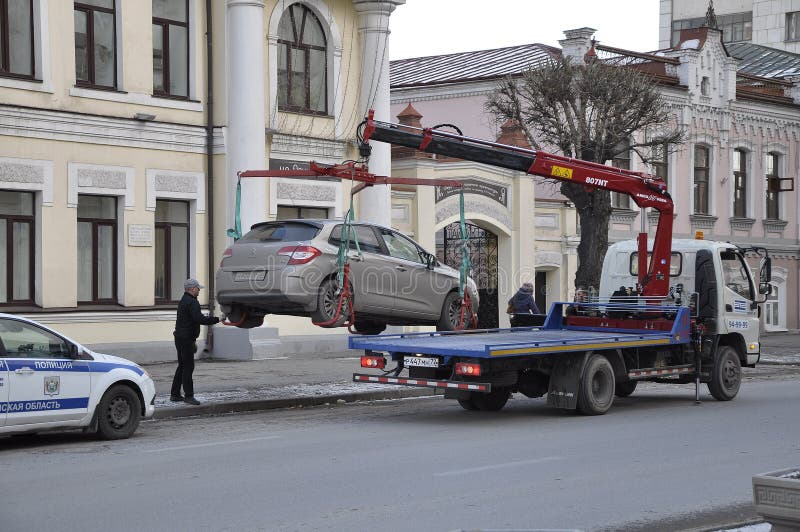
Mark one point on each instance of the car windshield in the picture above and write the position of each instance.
(281, 232)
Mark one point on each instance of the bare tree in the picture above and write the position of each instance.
(593, 112)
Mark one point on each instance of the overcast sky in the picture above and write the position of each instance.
(433, 27)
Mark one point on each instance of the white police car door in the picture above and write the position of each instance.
(3, 390)
(44, 384)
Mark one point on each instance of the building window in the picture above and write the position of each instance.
(286, 212)
(773, 193)
(621, 160)
(171, 249)
(16, 247)
(735, 27)
(95, 44)
(97, 249)
(793, 26)
(700, 180)
(16, 38)
(705, 86)
(739, 183)
(171, 48)
(772, 309)
(302, 62)
(660, 162)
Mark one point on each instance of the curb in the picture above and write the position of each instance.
(255, 405)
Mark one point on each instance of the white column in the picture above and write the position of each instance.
(375, 203)
(245, 141)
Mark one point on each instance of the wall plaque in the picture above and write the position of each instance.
(493, 191)
(140, 235)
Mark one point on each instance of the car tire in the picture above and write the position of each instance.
(726, 377)
(369, 327)
(118, 413)
(327, 303)
(597, 387)
(450, 318)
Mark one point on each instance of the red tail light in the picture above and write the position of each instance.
(373, 361)
(468, 368)
(225, 254)
(300, 254)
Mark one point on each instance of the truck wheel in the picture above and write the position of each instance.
(450, 318)
(624, 389)
(726, 377)
(597, 386)
(118, 413)
(328, 302)
(468, 404)
(492, 401)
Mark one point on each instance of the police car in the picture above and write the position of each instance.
(48, 381)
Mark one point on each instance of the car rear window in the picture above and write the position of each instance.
(281, 232)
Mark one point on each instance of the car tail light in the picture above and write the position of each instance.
(225, 254)
(468, 368)
(373, 361)
(300, 254)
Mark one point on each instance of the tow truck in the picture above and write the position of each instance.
(692, 314)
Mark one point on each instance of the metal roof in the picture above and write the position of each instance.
(469, 66)
(763, 61)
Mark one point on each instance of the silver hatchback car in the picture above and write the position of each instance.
(290, 267)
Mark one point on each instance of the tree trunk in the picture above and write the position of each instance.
(594, 212)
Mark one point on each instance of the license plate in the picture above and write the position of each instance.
(250, 276)
(421, 362)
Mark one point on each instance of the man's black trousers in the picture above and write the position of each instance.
(183, 373)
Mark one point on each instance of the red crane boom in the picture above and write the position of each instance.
(646, 190)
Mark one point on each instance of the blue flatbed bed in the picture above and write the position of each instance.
(553, 337)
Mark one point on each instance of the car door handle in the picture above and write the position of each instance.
(400, 268)
(357, 258)
(24, 371)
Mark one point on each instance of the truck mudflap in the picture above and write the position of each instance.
(484, 387)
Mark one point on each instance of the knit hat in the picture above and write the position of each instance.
(191, 283)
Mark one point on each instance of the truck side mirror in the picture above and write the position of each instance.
(765, 289)
(765, 271)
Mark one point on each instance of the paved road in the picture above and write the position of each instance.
(654, 462)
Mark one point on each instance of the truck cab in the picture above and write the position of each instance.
(713, 277)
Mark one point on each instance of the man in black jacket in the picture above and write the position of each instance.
(187, 329)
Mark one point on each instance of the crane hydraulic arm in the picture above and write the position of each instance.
(646, 190)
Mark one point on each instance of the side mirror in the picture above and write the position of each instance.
(430, 260)
(765, 289)
(765, 271)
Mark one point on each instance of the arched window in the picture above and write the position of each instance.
(302, 62)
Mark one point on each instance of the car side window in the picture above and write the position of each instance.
(24, 340)
(401, 247)
(367, 240)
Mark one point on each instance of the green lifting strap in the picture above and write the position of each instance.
(236, 232)
(466, 264)
(348, 233)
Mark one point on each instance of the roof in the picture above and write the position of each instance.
(763, 61)
(469, 66)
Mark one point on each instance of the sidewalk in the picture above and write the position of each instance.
(303, 380)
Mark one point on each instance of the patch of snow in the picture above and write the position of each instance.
(690, 44)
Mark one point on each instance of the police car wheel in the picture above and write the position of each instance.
(118, 413)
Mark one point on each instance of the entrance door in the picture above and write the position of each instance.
(540, 297)
(482, 249)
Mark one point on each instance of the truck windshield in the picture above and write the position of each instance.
(735, 274)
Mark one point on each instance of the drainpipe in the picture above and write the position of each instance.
(210, 173)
